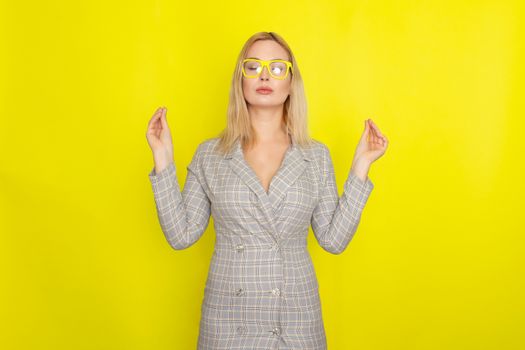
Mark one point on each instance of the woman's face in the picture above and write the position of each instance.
(266, 50)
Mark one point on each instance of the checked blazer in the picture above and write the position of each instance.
(262, 290)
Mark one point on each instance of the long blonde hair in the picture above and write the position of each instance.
(238, 118)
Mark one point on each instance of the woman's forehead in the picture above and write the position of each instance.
(267, 50)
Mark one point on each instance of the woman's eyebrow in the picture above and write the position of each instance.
(272, 58)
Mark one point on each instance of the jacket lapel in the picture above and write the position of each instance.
(293, 165)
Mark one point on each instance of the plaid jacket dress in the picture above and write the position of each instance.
(262, 290)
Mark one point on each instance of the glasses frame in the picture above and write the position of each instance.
(266, 63)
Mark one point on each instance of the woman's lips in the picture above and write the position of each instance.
(264, 91)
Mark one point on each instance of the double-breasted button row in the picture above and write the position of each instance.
(240, 247)
(240, 291)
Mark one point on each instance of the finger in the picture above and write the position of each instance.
(376, 128)
(154, 127)
(163, 120)
(379, 135)
(366, 132)
(153, 124)
(155, 116)
(373, 134)
(382, 141)
(158, 113)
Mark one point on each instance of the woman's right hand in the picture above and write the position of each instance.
(159, 139)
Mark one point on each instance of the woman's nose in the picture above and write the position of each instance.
(265, 74)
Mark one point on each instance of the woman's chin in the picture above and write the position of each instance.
(264, 102)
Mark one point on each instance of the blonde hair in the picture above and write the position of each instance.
(238, 118)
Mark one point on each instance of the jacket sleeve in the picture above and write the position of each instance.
(183, 217)
(335, 219)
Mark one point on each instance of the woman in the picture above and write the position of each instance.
(265, 182)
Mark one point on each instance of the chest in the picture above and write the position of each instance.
(265, 162)
(266, 193)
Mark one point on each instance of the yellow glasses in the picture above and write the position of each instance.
(278, 69)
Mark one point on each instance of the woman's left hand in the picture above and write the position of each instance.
(372, 144)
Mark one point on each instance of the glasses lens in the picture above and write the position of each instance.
(252, 68)
(278, 69)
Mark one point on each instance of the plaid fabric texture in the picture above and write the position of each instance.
(262, 290)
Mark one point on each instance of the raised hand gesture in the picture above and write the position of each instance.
(371, 146)
(159, 139)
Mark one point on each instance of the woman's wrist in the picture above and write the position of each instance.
(360, 168)
(162, 159)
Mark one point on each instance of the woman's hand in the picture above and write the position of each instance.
(371, 146)
(159, 139)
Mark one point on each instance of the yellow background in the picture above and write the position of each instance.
(438, 259)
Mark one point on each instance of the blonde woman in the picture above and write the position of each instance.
(265, 181)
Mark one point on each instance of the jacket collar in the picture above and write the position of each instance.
(293, 165)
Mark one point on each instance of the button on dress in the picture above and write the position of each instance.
(262, 290)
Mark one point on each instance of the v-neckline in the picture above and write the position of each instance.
(293, 165)
(279, 169)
